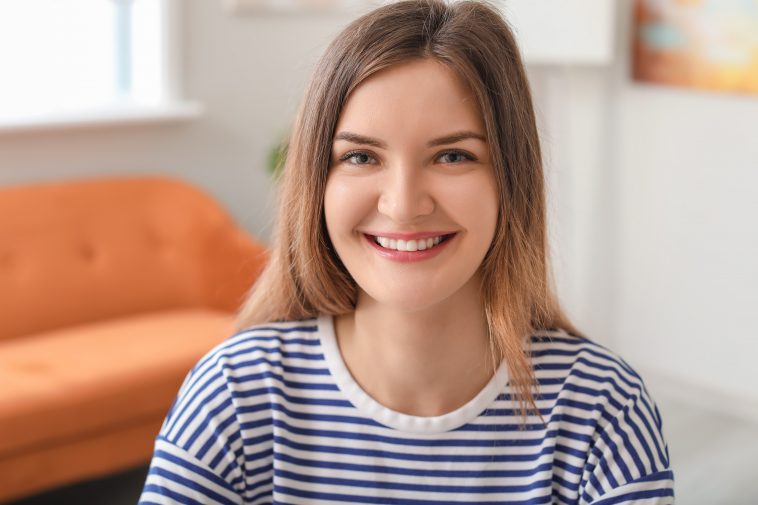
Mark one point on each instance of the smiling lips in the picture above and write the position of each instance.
(423, 246)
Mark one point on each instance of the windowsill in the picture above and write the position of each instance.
(106, 117)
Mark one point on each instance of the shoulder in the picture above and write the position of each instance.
(263, 344)
(592, 368)
(223, 411)
(582, 369)
(250, 361)
(604, 407)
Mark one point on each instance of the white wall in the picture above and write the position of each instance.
(654, 221)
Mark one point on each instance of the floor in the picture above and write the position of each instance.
(121, 489)
(715, 462)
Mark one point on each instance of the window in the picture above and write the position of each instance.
(84, 58)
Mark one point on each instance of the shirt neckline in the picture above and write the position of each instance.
(397, 420)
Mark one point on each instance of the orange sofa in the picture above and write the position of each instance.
(110, 290)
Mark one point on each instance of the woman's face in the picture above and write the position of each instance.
(410, 163)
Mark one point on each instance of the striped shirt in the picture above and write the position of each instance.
(272, 415)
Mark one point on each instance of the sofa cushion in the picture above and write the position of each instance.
(82, 380)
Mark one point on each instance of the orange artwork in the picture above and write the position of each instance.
(704, 44)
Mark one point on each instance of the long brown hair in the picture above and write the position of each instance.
(305, 277)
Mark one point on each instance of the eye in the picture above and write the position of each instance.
(358, 158)
(456, 157)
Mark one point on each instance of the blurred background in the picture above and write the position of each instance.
(648, 112)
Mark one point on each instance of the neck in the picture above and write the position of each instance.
(426, 362)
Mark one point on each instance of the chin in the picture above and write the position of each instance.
(407, 302)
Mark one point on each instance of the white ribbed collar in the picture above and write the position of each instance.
(399, 421)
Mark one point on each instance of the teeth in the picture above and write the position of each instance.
(408, 245)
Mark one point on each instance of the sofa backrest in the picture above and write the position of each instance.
(84, 251)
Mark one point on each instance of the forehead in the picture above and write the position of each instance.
(416, 98)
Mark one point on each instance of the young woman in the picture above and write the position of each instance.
(404, 344)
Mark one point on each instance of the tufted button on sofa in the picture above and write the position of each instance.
(110, 290)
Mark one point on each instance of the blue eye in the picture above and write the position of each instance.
(456, 157)
(357, 158)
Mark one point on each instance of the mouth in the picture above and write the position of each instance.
(417, 245)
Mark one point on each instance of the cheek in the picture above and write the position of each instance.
(346, 202)
(475, 202)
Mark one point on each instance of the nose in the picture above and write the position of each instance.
(405, 195)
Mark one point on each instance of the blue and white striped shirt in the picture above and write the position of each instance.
(272, 415)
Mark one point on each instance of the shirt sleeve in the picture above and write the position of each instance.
(654, 489)
(177, 477)
(629, 461)
(198, 456)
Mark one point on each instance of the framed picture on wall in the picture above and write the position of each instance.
(703, 44)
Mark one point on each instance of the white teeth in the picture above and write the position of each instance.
(408, 245)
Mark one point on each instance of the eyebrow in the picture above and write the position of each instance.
(447, 139)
